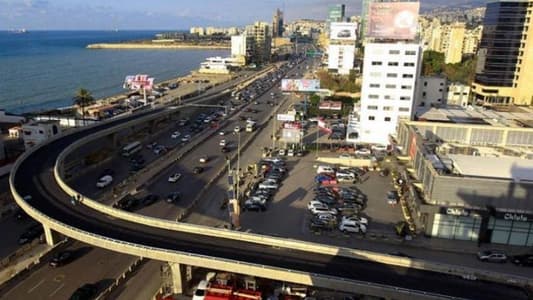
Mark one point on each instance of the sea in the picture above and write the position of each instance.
(41, 70)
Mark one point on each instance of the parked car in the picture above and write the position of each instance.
(222, 132)
(197, 170)
(352, 228)
(86, 292)
(127, 203)
(268, 185)
(203, 159)
(173, 197)
(314, 203)
(392, 197)
(222, 143)
(160, 149)
(30, 234)
(523, 260)
(186, 138)
(175, 135)
(322, 210)
(237, 129)
(317, 224)
(174, 177)
(104, 181)
(255, 204)
(492, 256)
(61, 258)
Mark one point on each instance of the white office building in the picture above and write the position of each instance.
(390, 73)
(458, 94)
(37, 132)
(341, 58)
(432, 91)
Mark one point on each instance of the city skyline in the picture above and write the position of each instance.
(164, 14)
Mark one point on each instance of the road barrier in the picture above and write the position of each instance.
(122, 278)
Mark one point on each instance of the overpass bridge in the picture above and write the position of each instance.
(38, 173)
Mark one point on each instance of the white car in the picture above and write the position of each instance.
(345, 156)
(186, 138)
(203, 159)
(175, 135)
(282, 152)
(343, 173)
(323, 210)
(222, 143)
(268, 185)
(290, 152)
(355, 219)
(237, 129)
(221, 132)
(363, 151)
(379, 147)
(352, 227)
(315, 204)
(104, 181)
(174, 177)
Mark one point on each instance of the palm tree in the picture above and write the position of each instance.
(83, 99)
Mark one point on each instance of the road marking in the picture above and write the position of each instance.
(59, 278)
(57, 290)
(36, 286)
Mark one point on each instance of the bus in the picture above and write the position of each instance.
(131, 149)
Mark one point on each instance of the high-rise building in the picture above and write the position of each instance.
(389, 88)
(341, 49)
(241, 48)
(505, 55)
(364, 18)
(472, 39)
(336, 13)
(277, 24)
(453, 43)
(261, 35)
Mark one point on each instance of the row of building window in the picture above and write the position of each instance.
(393, 64)
(388, 108)
(397, 52)
(389, 97)
(373, 118)
(391, 75)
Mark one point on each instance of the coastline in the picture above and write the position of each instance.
(154, 46)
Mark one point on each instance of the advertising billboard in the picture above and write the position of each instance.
(138, 82)
(300, 85)
(286, 117)
(330, 105)
(393, 20)
(291, 135)
(343, 31)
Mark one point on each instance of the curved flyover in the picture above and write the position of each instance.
(33, 174)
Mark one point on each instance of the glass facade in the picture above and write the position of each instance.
(502, 40)
(511, 232)
(456, 227)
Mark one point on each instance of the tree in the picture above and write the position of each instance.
(83, 99)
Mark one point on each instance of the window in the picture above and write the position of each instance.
(41, 132)
(387, 108)
(406, 87)
(373, 96)
(374, 85)
(375, 74)
(408, 64)
(390, 86)
(407, 76)
(394, 52)
(27, 132)
(403, 109)
(387, 119)
(393, 64)
(423, 94)
(440, 90)
(387, 97)
(405, 98)
(376, 63)
(372, 107)
(425, 83)
(392, 75)
(410, 52)
(371, 118)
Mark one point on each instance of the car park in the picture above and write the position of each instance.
(174, 177)
(492, 256)
(104, 181)
(61, 258)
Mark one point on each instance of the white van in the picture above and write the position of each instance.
(324, 169)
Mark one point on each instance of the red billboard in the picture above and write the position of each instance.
(393, 20)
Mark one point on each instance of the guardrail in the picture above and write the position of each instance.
(128, 272)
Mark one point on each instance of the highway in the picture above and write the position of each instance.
(35, 178)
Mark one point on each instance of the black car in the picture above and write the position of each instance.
(61, 258)
(254, 205)
(317, 225)
(523, 260)
(127, 203)
(149, 199)
(173, 197)
(225, 149)
(197, 170)
(30, 234)
(86, 292)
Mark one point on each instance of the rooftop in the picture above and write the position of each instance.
(513, 168)
(515, 117)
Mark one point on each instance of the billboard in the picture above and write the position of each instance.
(330, 105)
(393, 20)
(138, 82)
(286, 117)
(343, 31)
(300, 85)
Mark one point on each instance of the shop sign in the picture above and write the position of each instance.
(454, 211)
(515, 217)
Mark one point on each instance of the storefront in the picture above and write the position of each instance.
(511, 229)
(456, 224)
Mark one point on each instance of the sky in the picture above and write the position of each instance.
(154, 14)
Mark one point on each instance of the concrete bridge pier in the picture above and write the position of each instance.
(178, 277)
(52, 237)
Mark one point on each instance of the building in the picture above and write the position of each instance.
(7, 118)
(241, 48)
(277, 24)
(472, 39)
(505, 55)
(364, 19)
(453, 43)
(341, 49)
(34, 133)
(432, 91)
(472, 174)
(336, 13)
(218, 65)
(390, 73)
(197, 30)
(261, 36)
(458, 94)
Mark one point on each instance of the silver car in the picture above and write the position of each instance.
(492, 256)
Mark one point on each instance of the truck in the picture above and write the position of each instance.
(250, 126)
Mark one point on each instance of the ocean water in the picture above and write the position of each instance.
(43, 69)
